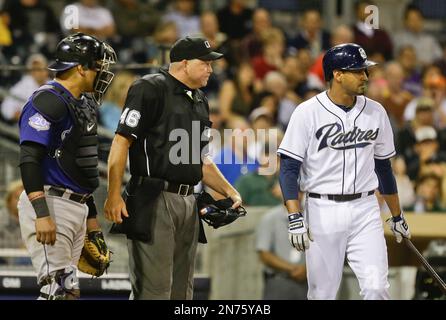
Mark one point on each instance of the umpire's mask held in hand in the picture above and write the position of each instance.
(104, 76)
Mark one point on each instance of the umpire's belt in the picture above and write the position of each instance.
(341, 197)
(67, 194)
(178, 188)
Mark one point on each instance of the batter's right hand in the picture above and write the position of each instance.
(45, 230)
(115, 208)
(298, 232)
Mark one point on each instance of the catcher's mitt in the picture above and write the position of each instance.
(95, 257)
(217, 213)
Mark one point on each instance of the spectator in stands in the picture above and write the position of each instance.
(284, 267)
(252, 44)
(134, 18)
(273, 43)
(236, 96)
(258, 188)
(165, 35)
(233, 160)
(235, 19)
(405, 138)
(93, 19)
(262, 122)
(407, 58)
(295, 75)
(111, 109)
(426, 46)
(311, 36)
(36, 76)
(426, 150)
(183, 15)
(441, 63)
(5, 31)
(135, 21)
(428, 194)
(33, 26)
(9, 222)
(275, 82)
(376, 42)
(341, 34)
(219, 42)
(390, 93)
(434, 87)
(217, 128)
(210, 30)
(405, 187)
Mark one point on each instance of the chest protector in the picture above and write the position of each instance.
(77, 155)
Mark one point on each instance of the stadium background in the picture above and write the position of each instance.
(269, 68)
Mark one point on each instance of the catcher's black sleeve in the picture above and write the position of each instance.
(31, 157)
(92, 211)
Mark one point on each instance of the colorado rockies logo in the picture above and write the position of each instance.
(331, 135)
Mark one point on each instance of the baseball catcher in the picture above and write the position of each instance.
(218, 213)
(95, 257)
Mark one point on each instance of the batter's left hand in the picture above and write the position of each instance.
(298, 233)
(399, 227)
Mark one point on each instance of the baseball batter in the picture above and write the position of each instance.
(338, 145)
(58, 163)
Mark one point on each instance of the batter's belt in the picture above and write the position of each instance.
(341, 197)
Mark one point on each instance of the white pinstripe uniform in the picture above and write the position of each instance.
(337, 151)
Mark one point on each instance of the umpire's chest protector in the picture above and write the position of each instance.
(179, 137)
(78, 154)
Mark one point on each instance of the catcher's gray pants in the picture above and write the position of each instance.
(164, 267)
(70, 219)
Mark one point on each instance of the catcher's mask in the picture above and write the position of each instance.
(90, 53)
(217, 213)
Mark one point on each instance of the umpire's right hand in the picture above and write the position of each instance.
(114, 209)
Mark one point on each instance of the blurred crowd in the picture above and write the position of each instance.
(266, 73)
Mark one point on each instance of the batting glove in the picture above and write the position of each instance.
(298, 232)
(399, 227)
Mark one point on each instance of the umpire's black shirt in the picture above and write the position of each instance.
(167, 120)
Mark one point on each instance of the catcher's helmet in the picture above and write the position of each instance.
(347, 56)
(89, 52)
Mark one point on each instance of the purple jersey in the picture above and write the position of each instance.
(37, 128)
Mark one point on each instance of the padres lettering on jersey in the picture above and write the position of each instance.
(337, 148)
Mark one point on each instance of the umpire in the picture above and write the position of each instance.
(164, 124)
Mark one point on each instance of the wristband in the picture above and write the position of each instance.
(40, 207)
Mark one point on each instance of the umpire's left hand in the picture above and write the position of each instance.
(115, 208)
(237, 200)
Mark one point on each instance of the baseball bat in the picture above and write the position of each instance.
(426, 265)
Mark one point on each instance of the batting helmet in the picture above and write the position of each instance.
(347, 56)
(89, 52)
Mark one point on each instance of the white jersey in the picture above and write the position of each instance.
(337, 148)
